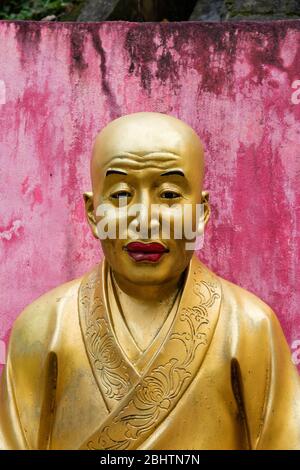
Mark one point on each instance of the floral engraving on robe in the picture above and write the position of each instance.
(156, 394)
(196, 319)
(107, 361)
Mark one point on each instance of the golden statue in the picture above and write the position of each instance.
(150, 349)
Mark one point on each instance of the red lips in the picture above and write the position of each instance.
(145, 251)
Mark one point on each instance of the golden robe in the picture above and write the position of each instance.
(217, 376)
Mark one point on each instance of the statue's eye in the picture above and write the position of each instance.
(121, 194)
(169, 195)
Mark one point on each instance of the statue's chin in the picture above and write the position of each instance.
(144, 275)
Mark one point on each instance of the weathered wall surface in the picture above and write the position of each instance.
(60, 83)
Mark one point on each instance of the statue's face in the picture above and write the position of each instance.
(147, 158)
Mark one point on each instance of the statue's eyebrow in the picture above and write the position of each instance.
(173, 172)
(118, 172)
(166, 173)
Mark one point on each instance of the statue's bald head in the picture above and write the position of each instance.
(151, 138)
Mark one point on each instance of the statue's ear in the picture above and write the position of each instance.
(89, 211)
(206, 212)
(205, 202)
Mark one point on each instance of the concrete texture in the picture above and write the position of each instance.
(61, 82)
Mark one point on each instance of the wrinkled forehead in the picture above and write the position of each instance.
(147, 143)
(147, 138)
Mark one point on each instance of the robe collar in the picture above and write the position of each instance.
(137, 403)
(138, 358)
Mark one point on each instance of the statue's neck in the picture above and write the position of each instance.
(146, 313)
(150, 293)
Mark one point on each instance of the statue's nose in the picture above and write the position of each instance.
(147, 216)
(145, 207)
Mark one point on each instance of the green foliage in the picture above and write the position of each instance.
(36, 9)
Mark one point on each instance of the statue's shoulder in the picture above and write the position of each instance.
(36, 329)
(47, 303)
(236, 299)
(247, 306)
(38, 319)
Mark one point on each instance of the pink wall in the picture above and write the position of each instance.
(60, 83)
